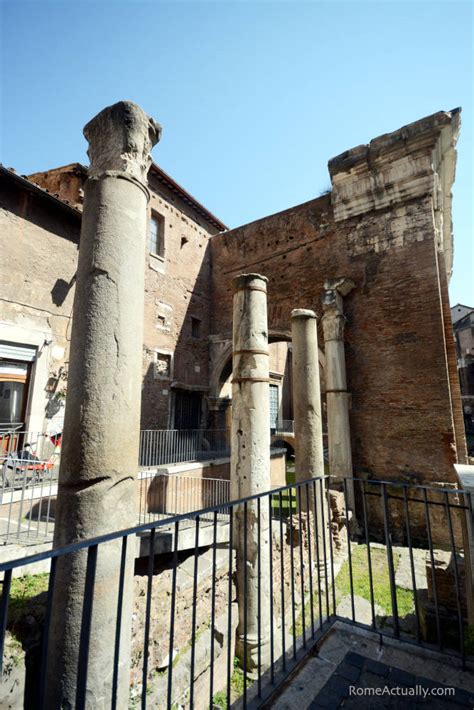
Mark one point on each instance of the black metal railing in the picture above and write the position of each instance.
(159, 447)
(321, 560)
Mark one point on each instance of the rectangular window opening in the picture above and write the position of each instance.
(195, 327)
(156, 234)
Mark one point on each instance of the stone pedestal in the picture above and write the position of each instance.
(337, 396)
(97, 492)
(250, 465)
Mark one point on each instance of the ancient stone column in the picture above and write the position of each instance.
(309, 456)
(337, 396)
(250, 463)
(309, 453)
(97, 489)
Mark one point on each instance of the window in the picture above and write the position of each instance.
(156, 234)
(163, 363)
(195, 327)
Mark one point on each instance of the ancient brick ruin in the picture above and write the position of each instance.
(385, 227)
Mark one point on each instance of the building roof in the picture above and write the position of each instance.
(23, 182)
(187, 197)
(459, 311)
(166, 180)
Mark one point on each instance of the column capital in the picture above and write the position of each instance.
(120, 139)
(303, 313)
(250, 281)
(333, 319)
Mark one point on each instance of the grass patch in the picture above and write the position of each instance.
(361, 587)
(285, 508)
(236, 688)
(380, 581)
(22, 590)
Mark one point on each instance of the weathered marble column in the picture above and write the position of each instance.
(309, 451)
(337, 396)
(309, 456)
(250, 463)
(97, 492)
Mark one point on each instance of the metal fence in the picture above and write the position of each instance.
(308, 575)
(163, 495)
(284, 426)
(167, 446)
(26, 457)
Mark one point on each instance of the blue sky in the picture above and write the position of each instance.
(254, 97)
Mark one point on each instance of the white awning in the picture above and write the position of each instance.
(15, 351)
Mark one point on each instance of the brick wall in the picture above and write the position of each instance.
(401, 416)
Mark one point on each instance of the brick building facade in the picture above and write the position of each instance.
(463, 325)
(385, 225)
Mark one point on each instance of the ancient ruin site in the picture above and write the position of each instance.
(234, 469)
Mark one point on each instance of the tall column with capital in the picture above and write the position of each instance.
(337, 396)
(250, 465)
(309, 452)
(309, 456)
(97, 492)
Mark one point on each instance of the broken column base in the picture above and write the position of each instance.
(248, 648)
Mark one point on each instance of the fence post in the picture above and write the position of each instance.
(465, 474)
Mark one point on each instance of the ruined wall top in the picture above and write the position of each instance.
(120, 139)
(414, 161)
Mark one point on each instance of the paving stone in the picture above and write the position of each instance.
(352, 673)
(399, 677)
(355, 659)
(463, 697)
(326, 700)
(337, 685)
(376, 667)
(362, 609)
(403, 574)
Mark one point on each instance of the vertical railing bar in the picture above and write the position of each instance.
(331, 549)
(456, 579)
(172, 615)
(194, 614)
(40, 508)
(146, 636)
(213, 609)
(433, 575)
(318, 561)
(282, 589)
(412, 564)
(391, 569)
(310, 561)
(7, 579)
(48, 507)
(300, 523)
(292, 570)
(270, 537)
(229, 611)
(86, 627)
(245, 602)
(349, 551)
(369, 556)
(18, 531)
(259, 602)
(118, 630)
(45, 639)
